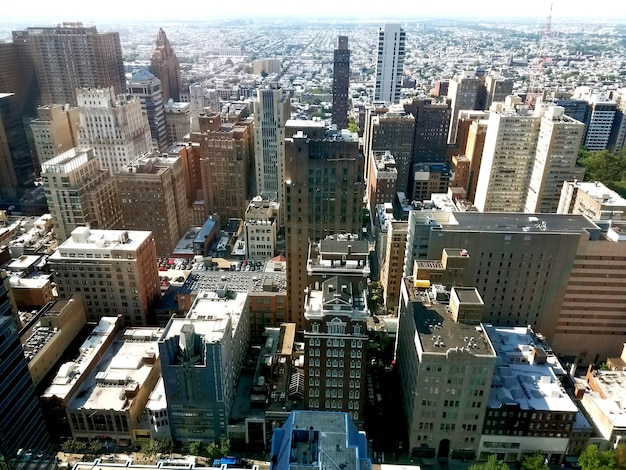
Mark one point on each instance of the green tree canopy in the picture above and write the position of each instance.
(534, 462)
(592, 459)
(606, 167)
(492, 463)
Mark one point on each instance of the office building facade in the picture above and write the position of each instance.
(79, 192)
(113, 126)
(71, 56)
(151, 193)
(113, 270)
(147, 88)
(55, 130)
(271, 112)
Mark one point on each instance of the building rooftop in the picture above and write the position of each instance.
(599, 192)
(519, 222)
(244, 281)
(68, 161)
(319, 439)
(122, 371)
(339, 294)
(89, 243)
(437, 330)
(92, 348)
(211, 313)
(527, 371)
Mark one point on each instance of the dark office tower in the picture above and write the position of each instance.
(390, 63)
(432, 121)
(17, 167)
(392, 130)
(148, 89)
(17, 74)
(323, 189)
(71, 56)
(21, 421)
(165, 66)
(225, 152)
(341, 79)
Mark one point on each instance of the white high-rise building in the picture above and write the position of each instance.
(601, 113)
(272, 109)
(113, 126)
(555, 160)
(390, 63)
(508, 157)
(202, 100)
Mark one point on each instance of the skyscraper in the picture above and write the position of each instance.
(114, 126)
(16, 161)
(201, 359)
(390, 63)
(147, 88)
(432, 121)
(508, 158)
(71, 56)
(323, 196)
(224, 151)
(393, 130)
(336, 327)
(165, 66)
(555, 160)
(22, 428)
(341, 82)
(271, 112)
(153, 197)
(80, 192)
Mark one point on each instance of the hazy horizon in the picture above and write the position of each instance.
(46, 12)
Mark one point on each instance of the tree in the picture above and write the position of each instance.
(592, 459)
(492, 463)
(197, 448)
(165, 446)
(534, 462)
(352, 125)
(375, 296)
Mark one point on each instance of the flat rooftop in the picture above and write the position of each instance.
(527, 371)
(248, 281)
(125, 365)
(601, 193)
(210, 314)
(519, 222)
(86, 242)
(437, 330)
(92, 348)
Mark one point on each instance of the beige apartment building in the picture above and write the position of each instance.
(393, 263)
(591, 199)
(114, 270)
(45, 341)
(261, 222)
(152, 197)
(79, 192)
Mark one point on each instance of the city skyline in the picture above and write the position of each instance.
(537, 9)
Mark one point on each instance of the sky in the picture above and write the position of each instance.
(51, 11)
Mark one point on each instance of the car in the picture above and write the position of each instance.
(161, 268)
